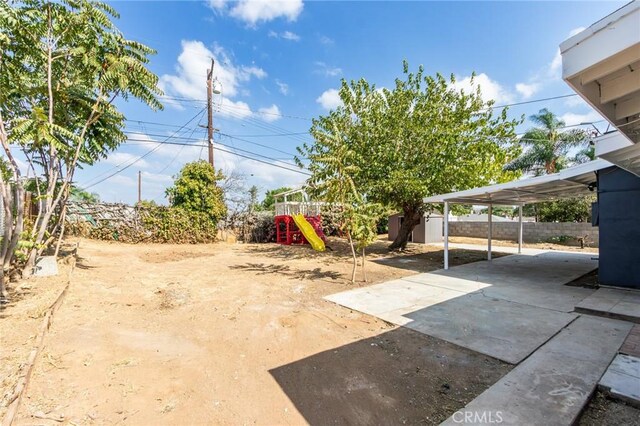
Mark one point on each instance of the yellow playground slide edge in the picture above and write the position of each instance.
(309, 233)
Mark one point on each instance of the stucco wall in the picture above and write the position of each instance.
(532, 232)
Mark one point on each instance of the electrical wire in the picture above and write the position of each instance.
(235, 153)
(221, 144)
(142, 156)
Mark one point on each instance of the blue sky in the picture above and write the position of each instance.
(278, 65)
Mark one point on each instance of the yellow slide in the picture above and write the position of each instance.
(308, 232)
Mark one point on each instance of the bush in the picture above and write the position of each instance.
(177, 225)
(156, 224)
(258, 227)
(195, 189)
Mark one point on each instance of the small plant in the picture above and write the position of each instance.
(561, 239)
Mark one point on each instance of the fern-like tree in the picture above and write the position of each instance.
(63, 64)
(547, 146)
(422, 137)
(334, 181)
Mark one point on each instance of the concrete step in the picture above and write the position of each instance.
(622, 304)
(552, 386)
(622, 379)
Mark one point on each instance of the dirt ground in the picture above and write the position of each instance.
(233, 334)
(604, 411)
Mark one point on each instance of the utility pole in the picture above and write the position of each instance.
(139, 186)
(210, 111)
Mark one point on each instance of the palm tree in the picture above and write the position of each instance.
(547, 146)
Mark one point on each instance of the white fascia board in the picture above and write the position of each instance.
(610, 142)
(605, 38)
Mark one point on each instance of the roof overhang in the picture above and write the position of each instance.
(602, 64)
(571, 182)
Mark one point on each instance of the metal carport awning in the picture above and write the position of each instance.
(571, 182)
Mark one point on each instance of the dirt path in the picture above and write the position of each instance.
(240, 334)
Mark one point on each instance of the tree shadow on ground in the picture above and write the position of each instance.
(433, 260)
(81, 263)
(397, 377)
(285, 270)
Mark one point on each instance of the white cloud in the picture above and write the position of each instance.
(287, 35)
(247, 72)
(551, 73)
(191, 72)
(157, 178)
(231, 109)
(253, 12)
(124, 158)
(282, 87)
(121, 180)
(329, 71)
(271, 113)
(330, 99)
(489, 89)
(258, 172)
(326, 40)
(191, 68)
(571, 118)
(527, 89)
(576, 31)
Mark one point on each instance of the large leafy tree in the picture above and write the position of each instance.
(419, 138)
(547, 146)
(63, 64)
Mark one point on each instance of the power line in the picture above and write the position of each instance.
(182, 148)
(226, 106)
(221, 144)
(232, 153)
(534, 101)
(223, 134)
(142, 156)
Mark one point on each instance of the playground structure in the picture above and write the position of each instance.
(299, 221)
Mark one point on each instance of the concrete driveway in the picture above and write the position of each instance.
(505, 308)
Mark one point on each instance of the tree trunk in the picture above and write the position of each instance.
(412, 216)
(364, 272)
(355, 258)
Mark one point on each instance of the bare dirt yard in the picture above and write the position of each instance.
(230, 334)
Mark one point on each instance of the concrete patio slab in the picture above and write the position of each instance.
(622, 379)
(613, 303)
(552, 385)
(505, 330)
(505, 308)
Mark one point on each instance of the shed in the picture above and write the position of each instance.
(429, 230)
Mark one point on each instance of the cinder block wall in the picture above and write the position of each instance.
(532, 232)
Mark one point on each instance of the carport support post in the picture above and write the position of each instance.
(490, 231)
(446, 235)
(520, 229)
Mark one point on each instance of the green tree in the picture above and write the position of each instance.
(420, 138)
(195, 189)
(63, 64)
(575, 209)
(335, 183)
(547, 146)
(78, 194)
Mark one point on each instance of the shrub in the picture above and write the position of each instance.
(195, 189)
